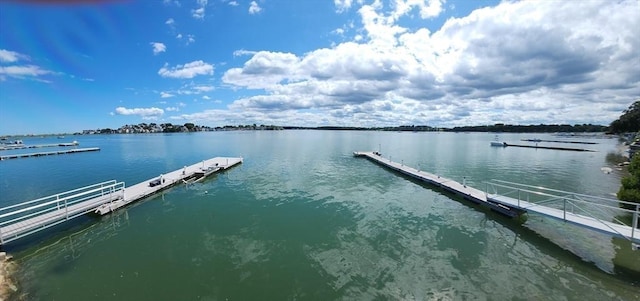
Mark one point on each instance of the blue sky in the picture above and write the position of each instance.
(76, 65)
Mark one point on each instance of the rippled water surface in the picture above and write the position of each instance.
(302, 219)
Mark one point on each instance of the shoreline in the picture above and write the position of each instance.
(7, 284)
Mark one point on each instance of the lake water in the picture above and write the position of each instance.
(302, 219)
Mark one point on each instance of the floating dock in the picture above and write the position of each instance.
(20, 220)
(512, 207)
(461, 189)
(559, 141)
(196, 171)
(40, 154)
(546, 147)
(23, 146)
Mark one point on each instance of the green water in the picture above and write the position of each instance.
(302, 219)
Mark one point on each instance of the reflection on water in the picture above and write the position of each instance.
(302, 219)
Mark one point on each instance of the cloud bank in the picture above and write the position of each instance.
(519, 62)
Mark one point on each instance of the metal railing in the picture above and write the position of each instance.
(25, 218)
(603, 210)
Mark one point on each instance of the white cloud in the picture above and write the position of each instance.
(342, 5)
(202, 88)
(7, 56)
(513, 63)
(166, 95)
(189, 70)
(142, 112)
(206, 97)
(169, 2)
(170, 21)
(242, 52)
(172, 109)
(427, 8)
(198, 13)
(254, 8)
(31, 72)
(190, 39)
(233, 3)
(179, 36)
(158, 47)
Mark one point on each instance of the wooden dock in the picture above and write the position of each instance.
(20, 220)
(468, 193)
(512, 206)
(59, 152)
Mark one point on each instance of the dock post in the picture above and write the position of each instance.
(464, 182)
(634, 224)
(564, 208)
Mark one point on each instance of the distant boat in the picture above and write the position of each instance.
(60, 137)
(497, 142)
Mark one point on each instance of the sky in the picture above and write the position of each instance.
(67, 66)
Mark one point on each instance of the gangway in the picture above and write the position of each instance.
(512, 199)
(25, 218)
(587, 211)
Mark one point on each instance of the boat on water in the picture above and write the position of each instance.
(496, 142)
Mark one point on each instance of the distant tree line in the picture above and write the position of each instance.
(499, 127)
(629, 121)
(540, 128)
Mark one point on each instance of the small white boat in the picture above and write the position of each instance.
(497, 142)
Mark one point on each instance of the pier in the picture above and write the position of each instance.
(559, 141)
(460, 189)
(59, 152)
(513, 199)
(23, 146)
(20, 220)
(550, 147)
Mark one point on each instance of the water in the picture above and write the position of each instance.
(302, 219)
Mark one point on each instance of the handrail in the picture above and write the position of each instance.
(57, 194)
(590, 207)
(570, 195)
(24, 214)
(560, 191)
(57, 200)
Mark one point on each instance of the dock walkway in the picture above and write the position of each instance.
(461, 189)
(23, 146)
(515, 206)
(59, 152)
(23, 219)
(143, 189)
